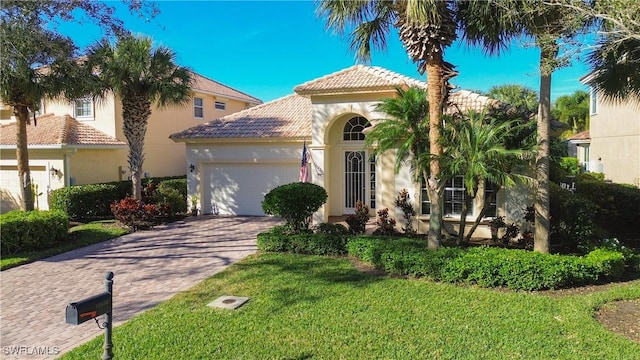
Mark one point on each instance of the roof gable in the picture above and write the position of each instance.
(50, 130)
(358, 78)
(289, 116)
(205, 84)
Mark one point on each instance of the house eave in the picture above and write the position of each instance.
(267, 140)
(67, 146)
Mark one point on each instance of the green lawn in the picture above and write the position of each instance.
(308, 307)
(79, 236)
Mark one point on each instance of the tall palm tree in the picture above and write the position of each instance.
(35, 64)
(140, 76)
(426, 28)
(475, 146)
(548, 25)
(405, 130)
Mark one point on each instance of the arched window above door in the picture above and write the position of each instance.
(353, 129)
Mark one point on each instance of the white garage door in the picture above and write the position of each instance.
(10, 187)
(240, 189)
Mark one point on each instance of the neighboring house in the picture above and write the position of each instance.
(580, 148)
(83, 140)
(613, 142)
(238, 158)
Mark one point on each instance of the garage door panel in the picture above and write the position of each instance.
(240, 189)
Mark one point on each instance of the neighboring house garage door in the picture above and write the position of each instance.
(10, 185)
(238, 189)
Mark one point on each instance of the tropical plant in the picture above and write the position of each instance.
(614, 60)
(426, 29)
(140, 76)
(295, 203)
(519, 96)
(37, 63)
(550, 27)
(474, 148)
(573, 110)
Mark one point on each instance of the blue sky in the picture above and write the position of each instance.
(266, 48)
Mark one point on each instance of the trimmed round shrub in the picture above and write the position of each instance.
(24, 231)
(295, 203)
(179, 185)
(331, 229)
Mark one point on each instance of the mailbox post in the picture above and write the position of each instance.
(92, 307)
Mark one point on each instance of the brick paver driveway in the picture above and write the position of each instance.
(149, 266)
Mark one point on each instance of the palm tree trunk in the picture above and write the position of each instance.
(485, 207)
(466, 205)
(548, 53)
(21, 113)
(135, 112)
(436, 86)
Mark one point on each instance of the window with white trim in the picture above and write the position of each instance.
(83, 108)
(220, 105)
(455, 194)
(198, 107)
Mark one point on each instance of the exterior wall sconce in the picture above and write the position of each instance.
(54, 172)
(192, 167)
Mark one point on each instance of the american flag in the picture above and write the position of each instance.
(304, 165)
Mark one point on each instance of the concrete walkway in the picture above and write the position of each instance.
(150, 267)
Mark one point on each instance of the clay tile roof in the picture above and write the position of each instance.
(357, 78)
(205, 84)
(462, 101)
(289, 116)
(584, 135)
(59, 130)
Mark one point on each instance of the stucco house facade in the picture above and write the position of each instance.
(82, 142)
(238, 158)
(612, 144)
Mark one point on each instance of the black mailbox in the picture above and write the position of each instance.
(89, 308)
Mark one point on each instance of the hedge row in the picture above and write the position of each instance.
(487, 266)
(484, 266)
(92, 202)
(617, 206)
(309, 244)
(24, 231)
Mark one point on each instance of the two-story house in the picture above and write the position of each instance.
(612, 144)
(82, 142)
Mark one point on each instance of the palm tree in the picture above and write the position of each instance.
(405, 130)
(516, 95)
(615, 68)
(547, 25)
(35, 64)
(141, 76)
(425, 28)
(475, 147)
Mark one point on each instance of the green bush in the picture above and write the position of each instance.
(93, 201)
(570, 165)
(572, 218)
(87, 202)
(170, 198)
(609, 263)
(307, 243)
(616, 206)
(295, 202)
(179, 185)
(24, 231)
(331, 229)
(486, 266)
